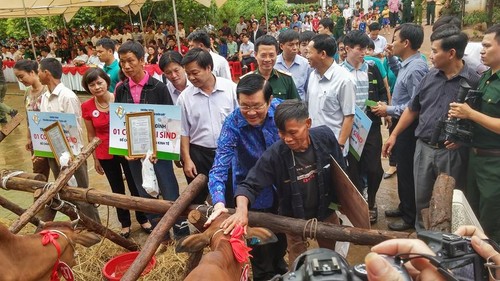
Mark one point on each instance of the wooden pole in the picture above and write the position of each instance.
(9, 127)
(24, 175)
(438, 216)
(60, 182)
(93, 226)
(166, 222)
(16, 209)
(273, 222)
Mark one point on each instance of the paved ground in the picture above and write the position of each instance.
(14, 156)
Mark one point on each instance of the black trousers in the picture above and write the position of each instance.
(369, 163)
(393, 17)
(113, 169)
(406, 142)
(269, 260)
(203, 159)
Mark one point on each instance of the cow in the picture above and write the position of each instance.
(34, 256)
(220, 263)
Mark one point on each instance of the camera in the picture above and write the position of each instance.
(456, 255)
(454, 129)
(327, 265)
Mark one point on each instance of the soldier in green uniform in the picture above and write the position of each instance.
(417, 11)
(266, 51)
(483, 179)
(407, 11)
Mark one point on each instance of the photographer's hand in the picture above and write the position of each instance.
(484, 249)
(419, 268)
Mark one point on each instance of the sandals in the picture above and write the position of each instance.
(147, 229)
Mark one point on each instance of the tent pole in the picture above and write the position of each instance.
(29, 30)
(267, 19)
(176, 29)
(130, 15)
(140, 18)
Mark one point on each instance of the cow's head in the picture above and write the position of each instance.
(70, 238)
(196, 242)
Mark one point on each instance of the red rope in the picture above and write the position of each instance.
(51, 237)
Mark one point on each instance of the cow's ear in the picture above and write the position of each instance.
(260, 236)
(87, 238)
(192, 243)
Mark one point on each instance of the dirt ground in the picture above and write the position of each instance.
(14, 156)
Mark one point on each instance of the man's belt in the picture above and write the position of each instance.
(485, 152)
(439, 144)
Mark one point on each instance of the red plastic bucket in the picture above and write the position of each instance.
(114, 269)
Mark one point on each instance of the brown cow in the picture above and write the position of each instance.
(23, 257)
(220, 264)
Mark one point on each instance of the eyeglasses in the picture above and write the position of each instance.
(246, 108)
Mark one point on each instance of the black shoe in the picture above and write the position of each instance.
(373, 215)
(125, 234)
(3, 121)
(13, 113)
(148, 230)
(393, 213)
(400, 225)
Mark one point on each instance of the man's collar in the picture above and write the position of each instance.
(413, 57)
(141, 83)
(364, 66)
(56, 90)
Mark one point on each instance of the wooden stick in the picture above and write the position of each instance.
(9, 127)
(273, 222)
(16, 209)
(167, 221)
(60, 182)
(438, 216)
(24, 175)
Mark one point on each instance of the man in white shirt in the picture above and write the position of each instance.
(175, 75)
(331, 90)
(59, 98)
(204, 106)
(240, 26)
(379, 41)
(247, 52)
(200, 39)
(82, 57)
(116, 36)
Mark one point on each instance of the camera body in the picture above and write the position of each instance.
(454, 129)
(456, 254)
(327, 265)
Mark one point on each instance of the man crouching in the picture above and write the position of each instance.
(298, 166)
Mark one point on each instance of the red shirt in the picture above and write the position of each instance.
(315, 24)
(100, 121)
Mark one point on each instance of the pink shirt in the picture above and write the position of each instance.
(136, 88)
(393, 6)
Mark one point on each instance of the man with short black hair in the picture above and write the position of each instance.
(408, 38)
(369, 86)
(246, 133)
(325, 26)
(240, 26)
(204, 106)
(332, 90)
(483, 192)
(141, 88)
(435, 92)
(255, 32)
(298, 166)
(266, 51)
(247, 51)
(59, 98)
(289, 61)
(200, 39)
(304, 38)
(379, 40)
(105, 48)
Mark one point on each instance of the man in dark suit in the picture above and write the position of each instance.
(256, 32)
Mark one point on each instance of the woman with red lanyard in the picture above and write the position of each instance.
(95, 112)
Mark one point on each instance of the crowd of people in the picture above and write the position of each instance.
(266, 142)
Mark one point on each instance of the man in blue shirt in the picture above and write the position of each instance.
(246, 133)
(408, 38)
(290, 61)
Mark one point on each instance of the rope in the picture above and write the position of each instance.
(87, 199)
(313, 226)
(7, 177)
